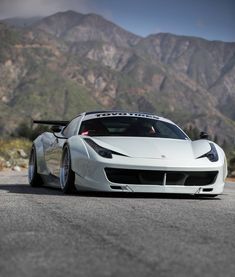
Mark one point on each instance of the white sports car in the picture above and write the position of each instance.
(125, 152)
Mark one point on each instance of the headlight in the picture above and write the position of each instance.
(212, 155)
(103, 152)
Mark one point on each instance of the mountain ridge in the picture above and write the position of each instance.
(19, 22)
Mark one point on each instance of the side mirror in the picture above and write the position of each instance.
(204, 135)
(56, 128)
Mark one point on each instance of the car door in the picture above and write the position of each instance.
(52, 155)
(52, 142)
(55, 152)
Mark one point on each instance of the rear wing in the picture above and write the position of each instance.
(51, 122)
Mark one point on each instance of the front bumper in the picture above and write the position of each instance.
(95, 178)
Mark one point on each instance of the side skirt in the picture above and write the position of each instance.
(51, 180)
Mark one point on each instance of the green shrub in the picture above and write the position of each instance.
(25, 131)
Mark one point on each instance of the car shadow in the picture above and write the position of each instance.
(44, 190)
(145, 195)
(27, 189)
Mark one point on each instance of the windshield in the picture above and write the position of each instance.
(131, 127)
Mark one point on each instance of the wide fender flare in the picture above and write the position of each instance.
(79, 155)
(40, 155)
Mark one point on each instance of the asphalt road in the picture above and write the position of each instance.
(45, 233)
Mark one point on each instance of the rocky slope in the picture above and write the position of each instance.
(209, 63)
(66, 63)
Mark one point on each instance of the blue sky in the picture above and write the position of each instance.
(211, 19)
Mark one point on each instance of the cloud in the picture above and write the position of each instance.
(28, 8)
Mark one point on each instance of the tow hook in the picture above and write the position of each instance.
(198, 191)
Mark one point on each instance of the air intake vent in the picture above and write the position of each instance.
(154, 177)
(129, 176)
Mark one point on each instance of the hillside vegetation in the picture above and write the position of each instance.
(67, 63)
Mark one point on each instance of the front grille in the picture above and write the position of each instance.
(154, 177)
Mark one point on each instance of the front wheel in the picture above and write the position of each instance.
(67, 176)
(35, 180)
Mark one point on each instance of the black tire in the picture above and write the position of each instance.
(67, 176)
(35, 180)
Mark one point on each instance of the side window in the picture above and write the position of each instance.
(71, 129)
(79, 124)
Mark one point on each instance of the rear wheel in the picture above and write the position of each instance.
(67, 176)
(35, 180)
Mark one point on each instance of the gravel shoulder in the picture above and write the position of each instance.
(45, 233)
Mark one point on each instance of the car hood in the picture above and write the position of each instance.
(155, 148)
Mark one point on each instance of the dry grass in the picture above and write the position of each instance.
(9, 147)
(1, 165)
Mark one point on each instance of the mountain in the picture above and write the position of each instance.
(209, 63)
(69, 62)
(76, 27)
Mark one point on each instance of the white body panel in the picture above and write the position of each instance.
(162, 155)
